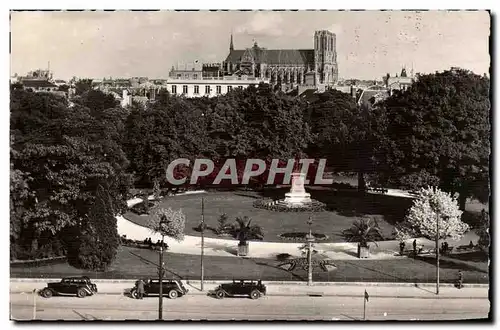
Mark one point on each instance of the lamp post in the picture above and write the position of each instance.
(437, 253)
(163, 222)
(310, 240)
(202, 240)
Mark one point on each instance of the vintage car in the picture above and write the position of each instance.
(241, 288)
(171, 288)
(80, 286)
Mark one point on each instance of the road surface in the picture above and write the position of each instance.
(199, 307)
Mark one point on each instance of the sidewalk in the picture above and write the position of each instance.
(388, 290)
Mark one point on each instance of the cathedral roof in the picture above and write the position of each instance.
(274, 56)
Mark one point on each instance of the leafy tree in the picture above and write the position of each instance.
(68, 155)
(430, 205)
(244, 230)
(168, 222)
(82, 86)
(344, 133)
(440, 126)
(156, 189)
(363, 231)
(484, 231)
(98, 239)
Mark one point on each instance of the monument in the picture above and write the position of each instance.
(297, 195)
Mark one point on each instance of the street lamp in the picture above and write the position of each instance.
(310, 240)
(163, 223)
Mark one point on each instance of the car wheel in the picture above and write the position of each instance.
(173, 294)
(133, 294)
(81, 293)
(255, 294)
(47, 293)
(219, 294)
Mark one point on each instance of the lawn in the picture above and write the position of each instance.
(133, 263)
(343, 208)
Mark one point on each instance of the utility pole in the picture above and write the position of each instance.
(310, 240)
(202, 240)
(437, 253)
(160, 302)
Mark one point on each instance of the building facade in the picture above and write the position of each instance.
(287, 67)
(210, 87)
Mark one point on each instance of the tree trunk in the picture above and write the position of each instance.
(462, 198)
(361, 181)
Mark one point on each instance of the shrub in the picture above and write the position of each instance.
(363, 231)
(140, 208)
(223, 227)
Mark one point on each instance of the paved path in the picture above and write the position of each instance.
(199, 307)
(228, 247)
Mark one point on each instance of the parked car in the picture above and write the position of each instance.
(241, 288)
(171, 288)
(81, 286)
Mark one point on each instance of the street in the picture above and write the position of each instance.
(200, 307)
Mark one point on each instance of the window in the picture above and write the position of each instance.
(174, 89)
(184, 89)
(240, 87)
(218, 89)
(207, 89)
(195, 76)
(229, 88)
(179, 76)
(197, 89)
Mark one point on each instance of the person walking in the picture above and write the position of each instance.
(415, 248)
(140, 289)
(401, 247)
(460, 280)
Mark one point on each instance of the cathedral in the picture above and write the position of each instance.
(287, 67)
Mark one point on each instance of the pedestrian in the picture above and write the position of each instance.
(401, 247)
(460, 280)
(415, 247)
(446, 247)
(471, 245)
(140, 289)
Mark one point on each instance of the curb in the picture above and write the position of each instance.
(316, 284)
(310, 294)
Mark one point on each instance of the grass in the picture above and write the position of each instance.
(134, 263)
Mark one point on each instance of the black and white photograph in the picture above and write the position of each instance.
(250, 165)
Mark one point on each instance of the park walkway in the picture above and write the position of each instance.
(228, 247)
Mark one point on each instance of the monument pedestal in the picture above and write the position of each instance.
(297, 195)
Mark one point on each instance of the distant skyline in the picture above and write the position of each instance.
(125, 44)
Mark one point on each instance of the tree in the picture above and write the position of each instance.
(363, 231)
(68, 155)
(222, 224)
(98, 239)
(430, 205)
(244, 230)
(82, 86)
(484, 231)
(440, 126)
(344, 133)
(174, 222)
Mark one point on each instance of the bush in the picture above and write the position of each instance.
(223, 227)
(140, 208)
(268, 204)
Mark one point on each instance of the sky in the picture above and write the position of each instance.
(128, 44)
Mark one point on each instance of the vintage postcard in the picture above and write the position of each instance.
(250, 165)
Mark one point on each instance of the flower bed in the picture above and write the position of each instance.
(140, 209)
(271, 205)
(301, 236)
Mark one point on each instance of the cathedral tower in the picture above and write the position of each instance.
(325, 57)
